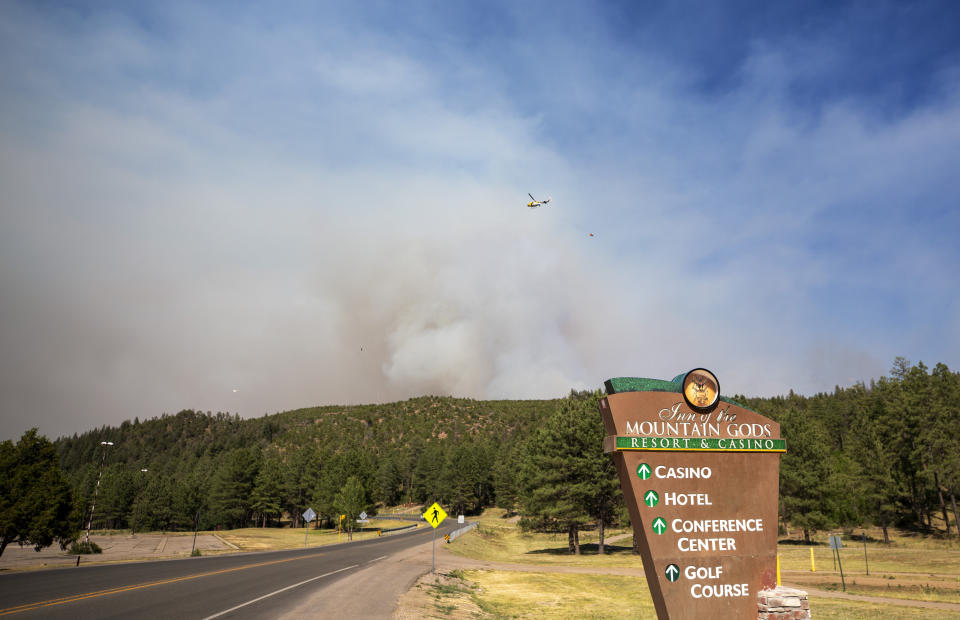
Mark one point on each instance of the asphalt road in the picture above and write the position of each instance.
(247, 585)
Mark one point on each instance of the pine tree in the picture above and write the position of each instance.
(233, 486)
(267, 494)
(805, 473)
(565, 478)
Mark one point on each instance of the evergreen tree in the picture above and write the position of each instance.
(233, 486)
(565, 478)
(267, 493)
(805, 473)
(36, 503)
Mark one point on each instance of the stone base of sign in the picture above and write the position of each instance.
(783, 604)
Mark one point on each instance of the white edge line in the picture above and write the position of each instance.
(226, 611)
(378, 559)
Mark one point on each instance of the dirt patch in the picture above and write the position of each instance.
(438, 595)
(116, 548)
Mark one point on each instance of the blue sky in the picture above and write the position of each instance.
(243, 208)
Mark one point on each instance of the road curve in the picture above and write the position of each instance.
(246, 585)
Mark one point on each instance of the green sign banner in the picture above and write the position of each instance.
(701, 444)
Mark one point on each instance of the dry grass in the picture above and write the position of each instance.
(512, 594)
(912, 567)
(835, 609)
(499, 539)
(262, 539)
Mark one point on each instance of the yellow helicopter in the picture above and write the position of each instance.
(534, 203)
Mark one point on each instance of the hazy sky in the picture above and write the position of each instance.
(253, 208)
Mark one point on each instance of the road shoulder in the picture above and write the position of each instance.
(371, 592)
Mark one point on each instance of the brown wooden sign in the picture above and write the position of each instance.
(701, 485)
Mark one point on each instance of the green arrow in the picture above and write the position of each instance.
(643, 471)
(651, 498)
(672, 572)
(659, 525)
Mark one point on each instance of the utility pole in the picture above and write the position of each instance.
(93, 505)
(196, 528)
(133, 520)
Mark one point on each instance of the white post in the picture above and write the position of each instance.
(97, 488)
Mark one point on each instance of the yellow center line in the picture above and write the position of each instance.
(117, 590)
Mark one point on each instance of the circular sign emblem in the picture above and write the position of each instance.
(701, 390)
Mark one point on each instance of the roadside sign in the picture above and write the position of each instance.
(308, 516)
(835, 542)
(363, 515)
(695, 466)
(434, 515)
(460, 519)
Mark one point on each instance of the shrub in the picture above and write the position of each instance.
(83, 548)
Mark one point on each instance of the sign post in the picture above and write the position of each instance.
(700, 477)
(863, 536)
(836, 545)
(434, 516)
(308, 516)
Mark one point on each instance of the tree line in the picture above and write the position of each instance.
(881, 454)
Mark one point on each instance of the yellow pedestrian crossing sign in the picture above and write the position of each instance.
(434, 515)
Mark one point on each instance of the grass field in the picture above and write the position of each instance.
(912, 567)
(501, 540)
(261, 539)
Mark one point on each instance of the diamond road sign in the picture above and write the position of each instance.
(363, 515)
(434, 515)
(309, 515)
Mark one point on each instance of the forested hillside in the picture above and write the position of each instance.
(887, 453)
(236, 472)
